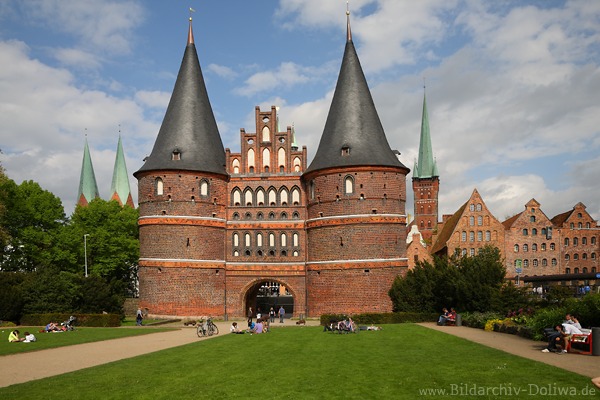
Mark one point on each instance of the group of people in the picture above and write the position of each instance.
(559, 339)
(14, 337)
(270, 318)
(260, 326)
(447, 316)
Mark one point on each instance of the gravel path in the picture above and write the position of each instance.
(19, 368)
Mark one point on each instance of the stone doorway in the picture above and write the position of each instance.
(266, 294)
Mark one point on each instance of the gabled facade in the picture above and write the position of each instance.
(532, 245)
(579, 238)
(470, 228)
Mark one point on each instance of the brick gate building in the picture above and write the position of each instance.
(217, 228)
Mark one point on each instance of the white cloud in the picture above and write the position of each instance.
(153, 99)
(76, 58)
(286, 75)
(101, 25)
(222, 71)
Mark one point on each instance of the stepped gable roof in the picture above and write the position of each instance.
(88, 188)
(119, 187)
(188, 138)
(353, 134)
(426, 166)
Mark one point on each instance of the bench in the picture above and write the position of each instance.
(580, 339)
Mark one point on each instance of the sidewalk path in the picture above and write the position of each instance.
(24, 367)
(580, 364)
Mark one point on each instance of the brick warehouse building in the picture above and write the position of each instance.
(219, 228)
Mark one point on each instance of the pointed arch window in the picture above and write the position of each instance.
(272, 197)
(348, 185)
(204, 188)
(283, 197)
(297, 164)
(271, 240)
(247, 240)
(236, 240)
(251, 160)
(236, 166)
(260, 197)
(283, 240)
(236, 197)
(259, 239)
(296, 196)
(295, 240)
(248, 197)
(159, 186)
(311, 189)
(266, 134)
(266, 159)
(281, 159)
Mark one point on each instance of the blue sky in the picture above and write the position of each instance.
(512, 86)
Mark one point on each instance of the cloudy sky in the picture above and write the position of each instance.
(513, 87)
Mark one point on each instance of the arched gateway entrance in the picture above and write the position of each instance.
(263, 295)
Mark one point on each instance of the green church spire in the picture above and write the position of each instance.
(426, 166)
(119, 187)
(88, 188)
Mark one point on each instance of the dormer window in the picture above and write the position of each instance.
(176, 155)
(345, 150)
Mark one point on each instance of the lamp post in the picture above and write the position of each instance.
(85, 251)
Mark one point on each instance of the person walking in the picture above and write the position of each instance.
(272, 314)
(139, 317)
(281, 314)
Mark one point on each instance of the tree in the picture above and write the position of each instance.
(33, 218)
(112, 244)
(466, 283)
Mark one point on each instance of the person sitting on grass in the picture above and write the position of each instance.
(234, 329)
(29, 337)
(51, 327)
(14, 337)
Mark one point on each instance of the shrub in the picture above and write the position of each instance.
(478, 319)
(381, 318)
(546, 318)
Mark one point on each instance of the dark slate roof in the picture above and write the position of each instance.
(353, 123)
(442, 240)
(189, 126)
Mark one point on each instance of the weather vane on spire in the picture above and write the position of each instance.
(191, 11)
(348, 32)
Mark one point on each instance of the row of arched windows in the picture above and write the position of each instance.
(584, 256)
(534, 247)
(262, 197)
(535, 262)
(580, 225)
(261, 215)
(583, 241)
(247, 243)
(481, 236)
(534, 231)
(266, 162)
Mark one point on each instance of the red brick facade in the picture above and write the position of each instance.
(426, 192)
(207, 243)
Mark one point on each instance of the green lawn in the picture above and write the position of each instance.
(400, 362)
(79, 335)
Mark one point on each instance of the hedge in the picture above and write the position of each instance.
(93, 320)
(381, 318)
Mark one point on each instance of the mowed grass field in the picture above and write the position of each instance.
(402, 361)
(59, 339)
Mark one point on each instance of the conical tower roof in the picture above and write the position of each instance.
(353, 134)
(88, 188)
(188, 138)
(426, 166)
(120, 189)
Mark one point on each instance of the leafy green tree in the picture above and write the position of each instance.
(11, 295)
(96, 296)
(466, 283)
(112, 244)
(33, 218)
(50, 291)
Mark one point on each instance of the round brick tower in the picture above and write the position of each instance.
(182, 203)
(356, 189)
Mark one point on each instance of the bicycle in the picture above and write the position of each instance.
(207, 328)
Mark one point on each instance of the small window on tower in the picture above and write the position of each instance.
(345, 150)
(176, 155)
